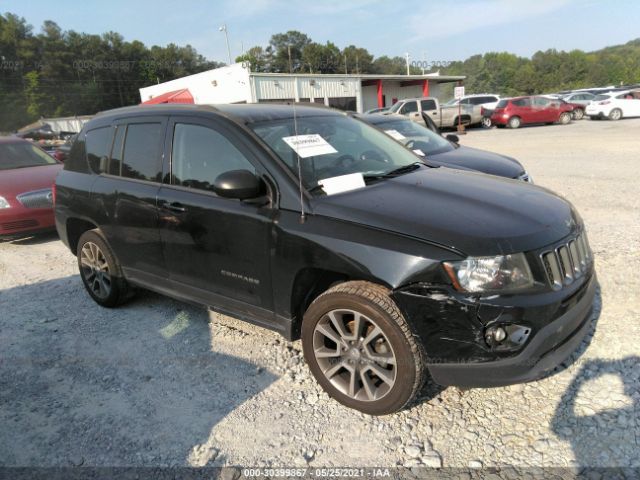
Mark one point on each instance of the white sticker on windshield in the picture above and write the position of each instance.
(309, 145)
(395, 134)
(417, 151)
(343, 183)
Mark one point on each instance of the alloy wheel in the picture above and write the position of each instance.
(355, 355)
(95, 270)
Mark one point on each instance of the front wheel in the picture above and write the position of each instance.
(100, 271)
(361, 350)
(578, 113)
(565, 118)
(486, 122)
(615, 114)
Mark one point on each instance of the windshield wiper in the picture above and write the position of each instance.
(395, 172)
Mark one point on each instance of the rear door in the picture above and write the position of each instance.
(215, 248)
(126, 192)
(429, 107)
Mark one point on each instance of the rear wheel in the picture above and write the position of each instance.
(565, 118)
(100, 271)
(578, 113)
(514, 122)
(361, 350)
(486, 122)
(615, 114)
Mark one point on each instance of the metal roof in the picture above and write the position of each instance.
(367, 76)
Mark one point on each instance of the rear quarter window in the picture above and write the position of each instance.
(502, 103)
(77, 160)
(140, 156)
(98, 146)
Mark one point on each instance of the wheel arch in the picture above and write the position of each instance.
(75, 228)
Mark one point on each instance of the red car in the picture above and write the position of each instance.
(513, 112)
(27, 174)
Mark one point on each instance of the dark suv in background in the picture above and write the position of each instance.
(316, 225)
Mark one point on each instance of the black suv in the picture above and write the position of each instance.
(316, 225)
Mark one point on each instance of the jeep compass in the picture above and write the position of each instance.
(316, 225)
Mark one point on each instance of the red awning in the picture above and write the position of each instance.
(177, 96)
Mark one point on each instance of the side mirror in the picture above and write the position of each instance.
(240, 184)
(453, 138)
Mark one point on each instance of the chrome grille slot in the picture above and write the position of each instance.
(575, 259)
(567, 262)
(37, 199)
(552, 267)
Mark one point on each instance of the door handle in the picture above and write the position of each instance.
(174, 207)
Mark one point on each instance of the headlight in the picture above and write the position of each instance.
(487, 274)
(4, 203)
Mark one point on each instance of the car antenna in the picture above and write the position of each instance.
(295, 131)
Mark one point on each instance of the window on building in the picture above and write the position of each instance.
(141, 159)
(200, 154)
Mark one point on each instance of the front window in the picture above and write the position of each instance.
(344, 146)
(23, 155)
(416, 137)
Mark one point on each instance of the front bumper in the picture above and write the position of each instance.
(23, 221)
(548, 348)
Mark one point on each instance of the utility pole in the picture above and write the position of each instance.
(223, 28)
(407, 57)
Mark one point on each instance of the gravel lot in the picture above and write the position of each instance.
(158, 382)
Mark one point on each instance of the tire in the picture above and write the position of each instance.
(615, 114)
(578, 114)
(342, 361)
(514, 122)
(486, 122)
(564, 118)
(100, 271)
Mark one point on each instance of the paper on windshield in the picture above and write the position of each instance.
(395, 134)
(309, 145)
(417, 151)
(343, 183)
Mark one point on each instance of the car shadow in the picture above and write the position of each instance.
(35, 239)
(602, 422)
(142, 385)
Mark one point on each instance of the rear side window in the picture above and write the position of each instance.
(428, 104)
(502, 103)
(140, 159)
(98, 146)
(199, 154)
(116, 152)
(522, 102)
(77, 159)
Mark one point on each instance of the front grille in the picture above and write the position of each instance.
(19, 224)
(568, 262)
(37, 199)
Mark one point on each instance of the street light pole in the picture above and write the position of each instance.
(223, 28)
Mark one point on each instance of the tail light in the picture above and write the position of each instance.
(482, 111)
(53, 193)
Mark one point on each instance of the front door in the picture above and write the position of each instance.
(216, 248)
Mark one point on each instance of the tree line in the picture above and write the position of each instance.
(64, 73)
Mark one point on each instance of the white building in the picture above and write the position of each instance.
(237, 84)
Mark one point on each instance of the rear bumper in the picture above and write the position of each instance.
(498, 120)
(546, 350)
(23, 221)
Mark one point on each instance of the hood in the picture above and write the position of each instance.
(473, 159)
(20, 180)
(473, 213)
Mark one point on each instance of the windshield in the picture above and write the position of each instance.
(416, 137)
(22, 155)
(395, 107)
(343, 146)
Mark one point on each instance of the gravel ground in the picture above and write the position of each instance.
(158, 382)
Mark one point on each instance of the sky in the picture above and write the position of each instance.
(431, 30)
